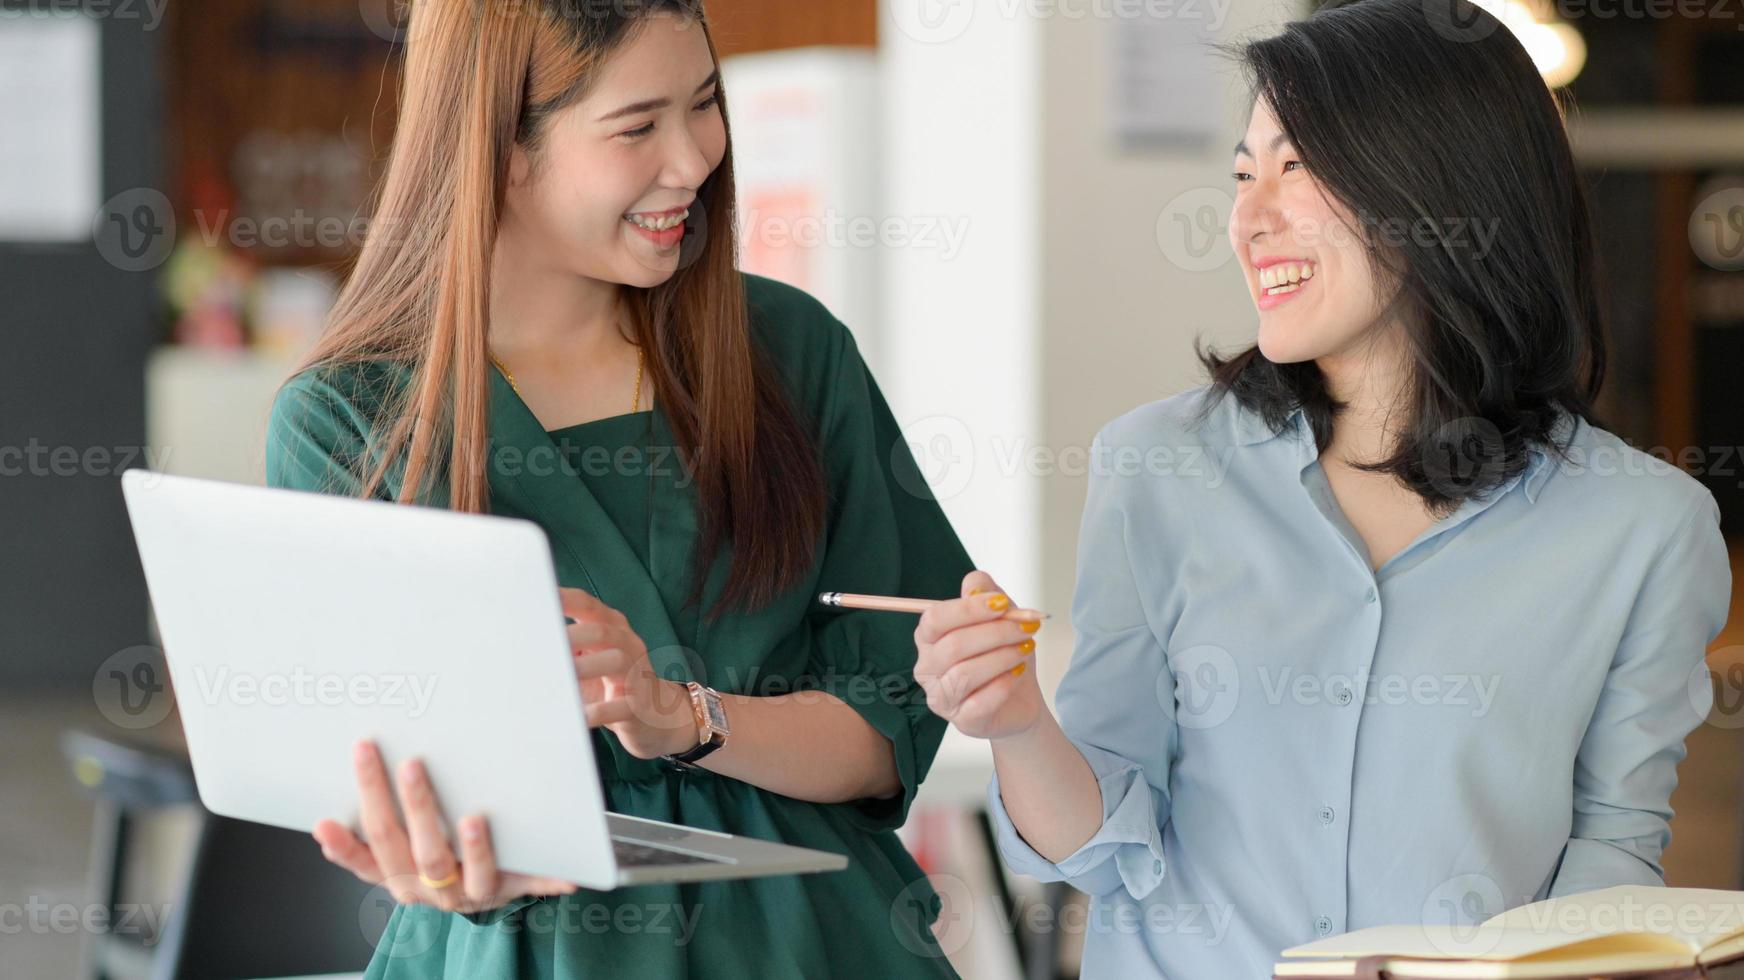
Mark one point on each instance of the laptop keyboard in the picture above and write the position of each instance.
(632, 854)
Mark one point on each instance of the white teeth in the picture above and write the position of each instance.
(1290, 274)
(658, 224)
(1281, 290)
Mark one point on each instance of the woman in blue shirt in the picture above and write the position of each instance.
(1379, 626)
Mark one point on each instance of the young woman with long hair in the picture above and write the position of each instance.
(546, 321)
(1426, 642)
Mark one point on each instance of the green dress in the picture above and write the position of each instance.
(622, 523)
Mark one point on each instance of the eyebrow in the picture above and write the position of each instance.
(649, 105)
(1277, 141)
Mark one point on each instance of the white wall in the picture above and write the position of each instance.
(1066, 307)
(1122, 302)
(962, 330)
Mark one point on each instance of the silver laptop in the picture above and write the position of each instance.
(296, 623)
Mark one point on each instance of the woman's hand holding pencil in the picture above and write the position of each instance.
(974, 658)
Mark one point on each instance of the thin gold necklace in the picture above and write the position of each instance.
(634, 405)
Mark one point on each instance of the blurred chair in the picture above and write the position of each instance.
(250, 900)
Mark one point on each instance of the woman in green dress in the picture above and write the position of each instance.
(545, 321)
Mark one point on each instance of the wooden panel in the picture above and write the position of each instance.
(306, 91)
(742, 26)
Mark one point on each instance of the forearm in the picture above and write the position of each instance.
(809, 745)
(1049, 790)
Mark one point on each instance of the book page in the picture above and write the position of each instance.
(1696, 917)
(1489, 941)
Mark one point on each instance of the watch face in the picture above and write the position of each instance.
(717, 713)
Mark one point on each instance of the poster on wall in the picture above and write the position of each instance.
(1165, 87)
(805, 163)
(50, 129)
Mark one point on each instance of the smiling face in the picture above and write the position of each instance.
(620, 168)
(1302, 254)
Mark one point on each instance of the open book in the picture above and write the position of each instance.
(1627, 930)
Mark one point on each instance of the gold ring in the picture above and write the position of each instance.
(453, 877)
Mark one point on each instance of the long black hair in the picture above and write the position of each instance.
(1425, 118)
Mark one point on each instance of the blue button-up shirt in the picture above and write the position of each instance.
(1291, 744)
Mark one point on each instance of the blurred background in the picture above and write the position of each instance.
(1018, 206)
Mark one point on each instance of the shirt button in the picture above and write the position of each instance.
(1326, 815)
(1341, 695)
(1156, 867)
(1369, 596)
(1323, 925)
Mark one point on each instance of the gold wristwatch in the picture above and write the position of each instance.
(711, 726)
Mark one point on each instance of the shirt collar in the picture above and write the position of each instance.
(1250, 429)
(1543, 458)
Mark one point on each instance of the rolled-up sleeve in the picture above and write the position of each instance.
(1117, 705)
(1656, 692)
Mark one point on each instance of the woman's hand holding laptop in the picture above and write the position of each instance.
(414, 859)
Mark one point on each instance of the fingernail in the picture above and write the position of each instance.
(1018, 670)
(362, 751)
(977, 590)
(469, 830)
(1027, 646)
(1029, 625)
(998, 603)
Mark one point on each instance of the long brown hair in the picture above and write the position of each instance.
(480, 77)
